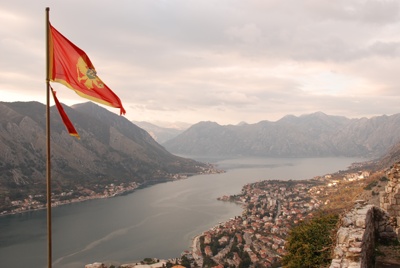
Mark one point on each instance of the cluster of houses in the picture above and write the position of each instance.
(38, 201)
(345, 177)
(271, 208)
(35, 202)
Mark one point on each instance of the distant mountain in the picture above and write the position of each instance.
(312, 135)
(159, 133)
(111, 150)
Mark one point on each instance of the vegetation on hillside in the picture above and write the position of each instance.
(309, 243)
(341, 199)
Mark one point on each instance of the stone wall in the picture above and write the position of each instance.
(390, 198)
(355, 241)
(366, 224)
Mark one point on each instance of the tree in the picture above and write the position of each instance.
(234, 247)
(208, 262)
(309, 243)
(214, 248)
(185, 261)
(148, 260)
(246, 261)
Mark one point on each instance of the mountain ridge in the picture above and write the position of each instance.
(312, 135)
(111, 150)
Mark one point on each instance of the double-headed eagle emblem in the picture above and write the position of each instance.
(87, 76)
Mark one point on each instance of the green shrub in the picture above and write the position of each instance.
(371, 185)
(148, 260)
(309, 244)
(383, 179)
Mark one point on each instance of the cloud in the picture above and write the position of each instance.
(226, 60)
(248, 33)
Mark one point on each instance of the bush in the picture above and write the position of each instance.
(371, 185)
(383, 179)
(309, 244)
(148, 260)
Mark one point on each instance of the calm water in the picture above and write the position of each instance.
(158, 221)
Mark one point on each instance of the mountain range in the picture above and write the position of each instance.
(312, 135)
(111, 150)
(114, 150)
(162, 133)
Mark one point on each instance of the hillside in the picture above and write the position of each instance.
(111, 150)
(313, 135)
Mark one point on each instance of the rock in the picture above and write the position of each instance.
(342, 235)
(354, 265)
(354, 250)
(360, 202)
(335, 263)
(360, 222)
(338, 252)
(346, 222)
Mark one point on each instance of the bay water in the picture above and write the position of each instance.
(159, 221)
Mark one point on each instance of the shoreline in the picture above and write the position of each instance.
(72, 201)
(195, 246)
(130, 189)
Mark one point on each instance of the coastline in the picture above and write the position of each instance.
(196, 247)
(29, 204)
(65, 202)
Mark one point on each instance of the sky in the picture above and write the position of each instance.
(226, 61)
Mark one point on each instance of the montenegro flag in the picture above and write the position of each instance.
(69, 65)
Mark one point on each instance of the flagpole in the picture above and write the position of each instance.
(48, 166)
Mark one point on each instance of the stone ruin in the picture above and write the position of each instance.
(390, 198)
(366, 224)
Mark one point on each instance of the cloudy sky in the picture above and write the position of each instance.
(215, 60)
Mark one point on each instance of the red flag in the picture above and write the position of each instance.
(64, 117)
(69, 65)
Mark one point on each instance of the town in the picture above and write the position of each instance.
(257, 237)
(271, 208)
